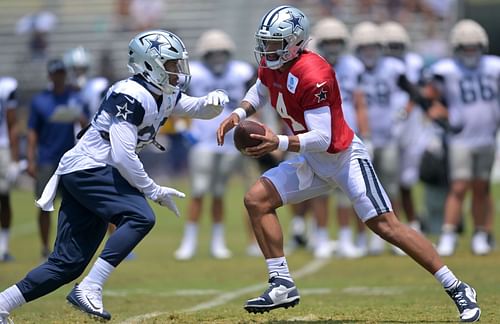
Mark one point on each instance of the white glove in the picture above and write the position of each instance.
(216, 98)
(15, 169)
(163, 197)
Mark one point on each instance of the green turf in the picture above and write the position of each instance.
(385, 289)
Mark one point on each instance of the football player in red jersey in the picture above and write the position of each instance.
(303, 89)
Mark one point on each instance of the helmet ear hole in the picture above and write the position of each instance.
(148, 66)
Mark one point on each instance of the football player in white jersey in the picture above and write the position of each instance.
(78, 63)
(411, 132)
(9, 155)
(103, 181)
(331, 38)
(468, 83)
(379, 83)
(211, 165)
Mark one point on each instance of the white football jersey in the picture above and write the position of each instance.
(380, 86)
(128, 102)
(8, 87)
(348, 70)
(93, 93)
(472, 99)
(235, 82)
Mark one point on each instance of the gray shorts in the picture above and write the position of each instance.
(4, 170)
(210, 171)
(471, 163)
(43, 174)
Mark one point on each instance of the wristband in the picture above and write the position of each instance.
(241, 113)
(283, 143)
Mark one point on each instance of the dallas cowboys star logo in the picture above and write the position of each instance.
(123, 111)
(321, 95)
(155, 44)
(295, 21)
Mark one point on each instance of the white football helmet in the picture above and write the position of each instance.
(330, 36)
(285, 24)
(367, 43)
(77, 60)
(469, 41)
(396, 38)
(215, 47)
(150, 50)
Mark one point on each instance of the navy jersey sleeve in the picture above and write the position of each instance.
(124, 108)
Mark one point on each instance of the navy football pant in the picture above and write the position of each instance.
(90, 200)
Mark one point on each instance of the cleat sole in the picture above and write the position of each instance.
(92, 316)
(266, 309)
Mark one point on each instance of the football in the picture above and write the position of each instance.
(241, 136)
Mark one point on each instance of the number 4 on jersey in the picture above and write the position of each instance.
(281, 109)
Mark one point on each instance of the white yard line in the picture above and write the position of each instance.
(224, 298)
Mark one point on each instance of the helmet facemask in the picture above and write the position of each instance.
(469, 55)
(369, 54)
(216, 61)
(331, 49)
(394, 49)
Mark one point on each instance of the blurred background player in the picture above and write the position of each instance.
(331, 38)
(468, 85)
(92, 89)
(51, 132)
(381, 82)
(411, 132)
(211, 165)
(9, 156)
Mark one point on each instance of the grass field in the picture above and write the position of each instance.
(154, 288)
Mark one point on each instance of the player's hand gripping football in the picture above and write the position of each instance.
(227, 124)
(269, 143)
(163, 196)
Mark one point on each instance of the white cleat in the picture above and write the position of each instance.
(447, 244)
(325, 250)
(184, 253)
(480, 244)
(4, 318)
(349, 251)
(376, 245)
(221, 253)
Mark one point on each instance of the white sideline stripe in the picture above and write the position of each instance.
(222, 299)
(176, 293)
(194, 292)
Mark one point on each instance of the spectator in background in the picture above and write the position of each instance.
(211, 165)
(9, 154)
(54, 112)
(39, 25)
(146, 14)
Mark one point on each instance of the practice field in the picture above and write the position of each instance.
(155, 288)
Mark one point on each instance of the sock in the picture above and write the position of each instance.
(298, 225)
(98, 274)
(446, 278)
(449, 228)
(11, 298)
(362, 241)
(345, 235)
(278, 266)
(190, 233)
(218, 235)
(4, 241)
(321, 235)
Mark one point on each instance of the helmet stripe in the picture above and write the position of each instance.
(270, 15)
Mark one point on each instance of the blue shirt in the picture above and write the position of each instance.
(54, 138)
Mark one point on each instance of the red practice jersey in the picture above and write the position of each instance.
(308, 84)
